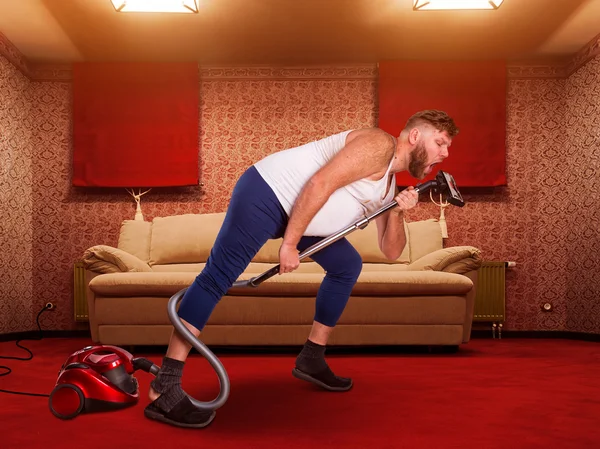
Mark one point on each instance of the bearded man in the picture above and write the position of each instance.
(304, 194)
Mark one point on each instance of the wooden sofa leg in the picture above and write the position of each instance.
(444, 349)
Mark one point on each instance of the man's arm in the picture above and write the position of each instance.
(390, 226)
(367, 152)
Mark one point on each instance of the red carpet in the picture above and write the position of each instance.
(513, 393)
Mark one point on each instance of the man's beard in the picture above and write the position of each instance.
(418, 161)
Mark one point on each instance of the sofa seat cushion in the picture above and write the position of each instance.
(383, 267)
(179, 268)
(254, 267)
(408, 283)
(370, 283)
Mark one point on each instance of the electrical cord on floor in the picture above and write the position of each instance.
(8, 370)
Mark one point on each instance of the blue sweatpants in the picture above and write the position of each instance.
(254, 216)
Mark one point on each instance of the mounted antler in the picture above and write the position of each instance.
(442, 205)
(137, 197)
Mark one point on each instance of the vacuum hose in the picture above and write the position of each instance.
(202, 349)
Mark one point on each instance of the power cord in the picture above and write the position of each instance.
(48, 306)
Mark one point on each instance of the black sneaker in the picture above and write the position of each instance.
(324, 379)
(184, 414)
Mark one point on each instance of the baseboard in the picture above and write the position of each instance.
(567, 335)
(35, 335)
(478, 333)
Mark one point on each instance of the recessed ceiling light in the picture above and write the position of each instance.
(182, 6)
(430, 5)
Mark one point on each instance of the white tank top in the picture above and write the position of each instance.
(287, 171)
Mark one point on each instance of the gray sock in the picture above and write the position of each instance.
(311, 359)
(168, 384)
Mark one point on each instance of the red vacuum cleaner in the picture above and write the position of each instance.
(95, 379)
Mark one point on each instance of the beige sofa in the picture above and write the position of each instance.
(425, 297)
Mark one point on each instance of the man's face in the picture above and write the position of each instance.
(430, 149)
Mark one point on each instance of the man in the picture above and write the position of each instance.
(303, 194)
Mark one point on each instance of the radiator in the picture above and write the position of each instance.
(490, 293)
(80, 305)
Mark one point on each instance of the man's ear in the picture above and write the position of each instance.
(413, 136)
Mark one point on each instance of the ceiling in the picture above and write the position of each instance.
(237, 32)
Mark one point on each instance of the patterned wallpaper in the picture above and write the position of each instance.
(16, 208)
(579, 180)
(545, 220)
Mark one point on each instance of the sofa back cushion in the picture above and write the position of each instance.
(422, 237)
(366, 242)
(189, 238)
(269, 253)
(134, 238)
(186, 238)
(425, 237)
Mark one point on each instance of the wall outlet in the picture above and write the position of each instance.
(50, 306)
(547, 307)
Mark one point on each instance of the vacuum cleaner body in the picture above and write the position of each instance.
(95, 378)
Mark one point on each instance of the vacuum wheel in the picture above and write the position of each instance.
(66, 401)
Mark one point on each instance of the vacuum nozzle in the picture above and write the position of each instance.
(444, 184)
(448, 186)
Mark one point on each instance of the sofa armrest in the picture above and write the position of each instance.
(455, 259)
(107, 259)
